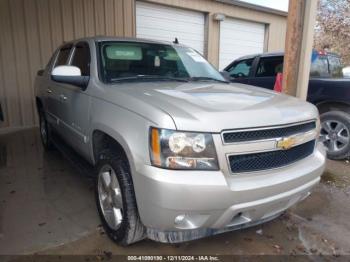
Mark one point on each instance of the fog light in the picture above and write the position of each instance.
(180, 219)
(190, 221)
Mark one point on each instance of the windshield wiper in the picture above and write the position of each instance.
(205, 78)
(148, 77)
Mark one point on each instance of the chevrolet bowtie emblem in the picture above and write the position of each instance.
(286, 143)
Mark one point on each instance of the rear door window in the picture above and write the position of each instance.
(241, 68)
(270, 66)
(63, 55)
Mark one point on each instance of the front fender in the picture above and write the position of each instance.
(128, 128)
(131, 131)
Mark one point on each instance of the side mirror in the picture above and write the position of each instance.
(226, 75)
(70, 75)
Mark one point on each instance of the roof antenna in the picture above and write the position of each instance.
(176, 41)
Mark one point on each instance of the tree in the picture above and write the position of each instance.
(333, 28)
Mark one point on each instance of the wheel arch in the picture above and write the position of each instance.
(326, 106)
(102, 139)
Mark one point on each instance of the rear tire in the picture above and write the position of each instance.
(115, 199)
(45, 132)
(335, 134)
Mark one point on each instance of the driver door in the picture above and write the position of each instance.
(77, 103)
(55, 90)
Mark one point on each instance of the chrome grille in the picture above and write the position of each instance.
(268, 133)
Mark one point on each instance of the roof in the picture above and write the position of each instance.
(130, 39)
(282, 53)
(272, 54)
(124, 39)
(254, 7)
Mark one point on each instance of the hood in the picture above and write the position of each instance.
(213, 107)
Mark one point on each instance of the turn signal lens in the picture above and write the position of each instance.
(155, 147)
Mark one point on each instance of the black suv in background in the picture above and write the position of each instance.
(328, 90)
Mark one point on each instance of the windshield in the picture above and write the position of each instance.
(141, 61)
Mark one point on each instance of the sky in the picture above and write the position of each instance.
(276, 4)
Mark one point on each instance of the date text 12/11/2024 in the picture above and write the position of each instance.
(173, 258)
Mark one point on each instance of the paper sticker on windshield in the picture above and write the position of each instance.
(156, 61)
(196, 57)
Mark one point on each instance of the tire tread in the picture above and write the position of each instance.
(131, 230)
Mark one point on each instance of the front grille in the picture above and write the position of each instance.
(270, 160)
(241, 136)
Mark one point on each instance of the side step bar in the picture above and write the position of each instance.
(85, 168)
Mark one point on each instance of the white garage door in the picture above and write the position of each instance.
(239, 38)
(165, 23)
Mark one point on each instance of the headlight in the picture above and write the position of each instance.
(182, 150)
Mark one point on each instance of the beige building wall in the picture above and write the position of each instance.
(32, 29)
(276, 24)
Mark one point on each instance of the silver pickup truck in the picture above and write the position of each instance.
(177, 152)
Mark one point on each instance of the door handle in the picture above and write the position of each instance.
(63, 97)
(48, 90)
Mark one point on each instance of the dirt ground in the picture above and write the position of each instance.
(319, 225)
(46, 207)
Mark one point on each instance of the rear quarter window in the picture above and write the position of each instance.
(319, 67)
(335, 66)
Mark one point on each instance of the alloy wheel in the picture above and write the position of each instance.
(110, 197)
(334, 135)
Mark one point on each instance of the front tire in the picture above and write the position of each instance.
(335, 134)
(115, 199)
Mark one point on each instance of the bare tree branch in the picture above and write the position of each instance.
(333, 27)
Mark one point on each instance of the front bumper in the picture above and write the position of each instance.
(177, 206)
